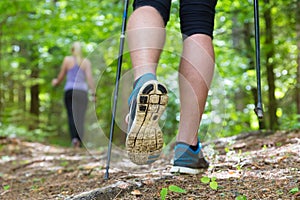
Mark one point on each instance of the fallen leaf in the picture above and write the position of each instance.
(136, 192)
(123, 185)
(239, 145)
(149, 182)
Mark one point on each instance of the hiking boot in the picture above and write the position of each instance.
(144, 141)
(187, 160)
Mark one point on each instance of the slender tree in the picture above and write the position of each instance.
(1, 74)
(298, 56)
(269, 42)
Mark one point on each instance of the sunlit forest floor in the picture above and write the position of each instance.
(248, 166)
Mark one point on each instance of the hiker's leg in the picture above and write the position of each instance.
(148, 100)
(80, 102)
(68, 103)
(196, 72)
(196, 66)
(146, 34)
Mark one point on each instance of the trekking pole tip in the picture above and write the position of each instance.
(259, 112)
(106, 177)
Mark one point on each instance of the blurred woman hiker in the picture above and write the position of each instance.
(78, 80)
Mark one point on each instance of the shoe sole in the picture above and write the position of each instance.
(184, 170)
(144, 141)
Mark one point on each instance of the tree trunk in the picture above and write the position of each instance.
(1, 76)
(298, 61)
(11, 86)
(272, 107)
(22, 97)
(35, 102)
(236, 35)
(21, 87)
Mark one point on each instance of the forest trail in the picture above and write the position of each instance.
(248, 166)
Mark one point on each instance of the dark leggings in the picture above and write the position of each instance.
(76, 104)
(196, 16)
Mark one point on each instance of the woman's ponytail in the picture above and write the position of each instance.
(76, 51)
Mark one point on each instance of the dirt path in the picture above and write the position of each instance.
(253, 165)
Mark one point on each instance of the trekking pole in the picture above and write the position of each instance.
(120, 59)
(258, 110)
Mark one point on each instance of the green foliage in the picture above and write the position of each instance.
(279, 192)
(163, 193)
(213, 184)
(64, 163)
(205, 179)
(241, 197)
(171, 188)
(290, 122)
(294, 190)
(174, 188)
(22, 132)
(6, 187)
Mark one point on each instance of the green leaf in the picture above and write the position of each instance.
(279, 192)
(213, 185)
(213, 178)
(241, 197)
(226, 149)
(205, 179)
(294, 190)
(64, 163)
(163, 193)
(6, 187)
(177, 189)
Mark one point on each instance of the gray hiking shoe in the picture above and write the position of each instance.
(188, 161)
(144, 140)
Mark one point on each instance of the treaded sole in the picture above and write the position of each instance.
(184, 170)
(144, 140)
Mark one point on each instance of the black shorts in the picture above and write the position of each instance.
(196, 16)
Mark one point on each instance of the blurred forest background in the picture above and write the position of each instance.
(35, 35)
